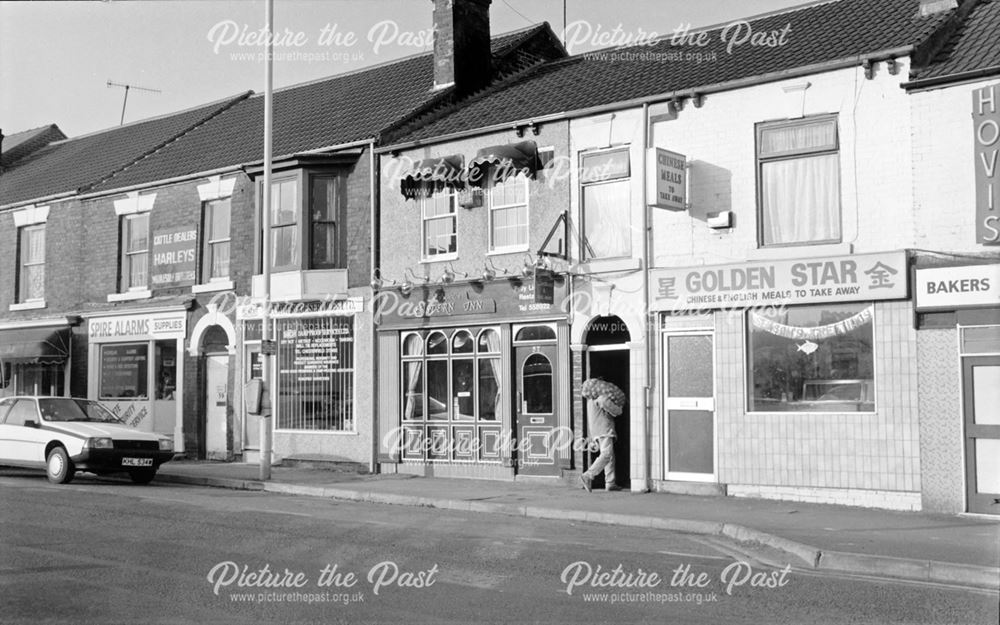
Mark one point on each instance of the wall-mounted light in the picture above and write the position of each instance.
(378, 281)
(407, 285)
(529, 266)
(698, 99)
(893, 66)
(490, 271)
(449, 274)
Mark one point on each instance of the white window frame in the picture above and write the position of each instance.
(210, 243)
(523, 247)
(24, 264)
(131, 205)
(424, 220)
(32, 216)
(585, 256)
(761, 160)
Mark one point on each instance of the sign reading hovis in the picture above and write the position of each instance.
(986, 131)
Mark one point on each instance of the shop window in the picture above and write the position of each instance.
(509, 214)
(451, 394)
(315, 385)
(124, 371)
(215, 237)
(812, 359)
(605, 197)
(439, 226)
(31, 277)
(798, 170)
(135, 251)
(33, 378)
(166, 369)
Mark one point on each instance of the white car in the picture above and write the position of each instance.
(64, 435)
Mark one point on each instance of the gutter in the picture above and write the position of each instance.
(741, 83)
(938, 81)
(41, 200)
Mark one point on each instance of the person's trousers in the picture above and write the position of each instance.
(605, 461)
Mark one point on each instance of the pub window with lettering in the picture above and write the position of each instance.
(812, 359)
(450, 395)
(315, 388)
(798, 177)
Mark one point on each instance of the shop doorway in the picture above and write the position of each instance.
(981, 396)
(608, 353)
(537, 400)
(215, 394)
(689, 406)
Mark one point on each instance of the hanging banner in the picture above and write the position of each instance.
(816, 333)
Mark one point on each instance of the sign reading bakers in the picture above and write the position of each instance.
(861, 277)
(948, 288)
(986, 124)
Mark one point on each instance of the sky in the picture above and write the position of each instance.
(56, 58)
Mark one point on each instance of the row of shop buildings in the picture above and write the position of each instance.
(786, 256)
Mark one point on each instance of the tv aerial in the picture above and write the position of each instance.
(127, 87)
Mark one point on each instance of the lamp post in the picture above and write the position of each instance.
(265, 332)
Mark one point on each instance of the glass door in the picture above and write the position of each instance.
(689, 406)
(981, 396)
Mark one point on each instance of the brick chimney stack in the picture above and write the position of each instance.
(462, 54)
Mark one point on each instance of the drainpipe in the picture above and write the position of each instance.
(650, 327)
(374, 181)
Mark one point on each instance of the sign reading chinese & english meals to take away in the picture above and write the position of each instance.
(861, 277)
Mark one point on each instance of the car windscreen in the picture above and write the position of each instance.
(66, 409)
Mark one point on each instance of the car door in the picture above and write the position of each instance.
(5, 435)
(22, 444)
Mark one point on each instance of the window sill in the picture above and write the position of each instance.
(314, 432)
(801, 250)
(507, 251)
(606, 266)
(443, 258)
(213, 286)
(32, 305)
(129, 296)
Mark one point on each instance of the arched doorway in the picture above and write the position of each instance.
(214, 426)
(607, 341)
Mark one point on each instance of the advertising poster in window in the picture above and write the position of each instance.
(124, 371)
(316, 374)
(175, 255)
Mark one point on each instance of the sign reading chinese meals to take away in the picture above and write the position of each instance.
(862, 277)
(667, 188)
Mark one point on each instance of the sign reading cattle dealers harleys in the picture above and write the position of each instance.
(775, 282)
(175, 253)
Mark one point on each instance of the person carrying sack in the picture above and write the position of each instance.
(605, 402)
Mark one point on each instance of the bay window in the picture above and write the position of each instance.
(798, 171)
(306, 229)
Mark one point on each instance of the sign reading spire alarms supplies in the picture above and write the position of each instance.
(666, 179)
(986, 138)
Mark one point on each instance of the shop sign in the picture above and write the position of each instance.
(986, 131)
(515, 298)
(957, 287)
(175, 254)
(544, 287)
(862, 277)
(667, 179)
(132, 327)
(254, 309)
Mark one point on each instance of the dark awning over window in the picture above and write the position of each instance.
(35, 345)
(505, 161)
(431, 173)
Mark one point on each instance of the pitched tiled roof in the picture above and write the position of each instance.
(973, 47)
(77, 164)
(334, 111)
(20, 144)
(819, 33)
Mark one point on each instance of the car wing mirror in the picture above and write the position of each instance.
(30, 424)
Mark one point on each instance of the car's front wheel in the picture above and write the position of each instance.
(58, 467)
(143, 476)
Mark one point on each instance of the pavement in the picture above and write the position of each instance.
(944, 548)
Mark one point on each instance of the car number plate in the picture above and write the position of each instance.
(137, 462)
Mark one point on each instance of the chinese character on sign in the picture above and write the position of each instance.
(880, 275)
(667, 288)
